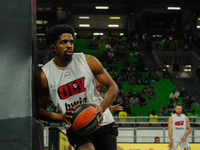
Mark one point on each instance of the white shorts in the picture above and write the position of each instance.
(184, 145)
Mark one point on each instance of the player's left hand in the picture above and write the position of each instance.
(183, 139)
(99, 111)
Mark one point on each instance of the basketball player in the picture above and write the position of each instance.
(178, 123)
(69, 80)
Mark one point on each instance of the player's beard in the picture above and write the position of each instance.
(67, 57)
(178, 113)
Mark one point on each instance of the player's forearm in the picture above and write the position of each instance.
(188, 132)
(109, 98)
(170, 136)
(49, 116)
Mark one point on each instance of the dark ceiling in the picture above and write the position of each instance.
(117, 6)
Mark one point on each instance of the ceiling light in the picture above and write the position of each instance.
(121, 34)
(174, 8)
(187, 69)
(198, 27)
(84, 25)
(97, 33)
(188, 66)
(113, 25)
(84, 17)
(40, 65)
(101, 7)
(115, 17)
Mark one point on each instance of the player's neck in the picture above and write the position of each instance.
(178, 114)
(60, 63)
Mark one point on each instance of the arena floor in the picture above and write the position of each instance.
(152, 146)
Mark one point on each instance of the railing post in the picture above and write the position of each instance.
(164, 135)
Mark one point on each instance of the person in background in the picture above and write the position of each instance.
(142, 101)
(177, 93)
(134, 101)
(157, 140)
(173, 96)
(170, 107)
(183, 93)
(164, 111)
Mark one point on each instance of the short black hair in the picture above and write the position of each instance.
(54, 32)
(157, 137)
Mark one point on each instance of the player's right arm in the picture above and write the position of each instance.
(170, 121)
(43, 102)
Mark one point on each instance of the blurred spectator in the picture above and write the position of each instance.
(193, 114)
(153, 114)
(145, 89)
(138, 94)
(113, 72)
(192, 101)
(132, 80)
(119, 101)
(166, 74)
(158, 75)
(176, 69)
(126, 76)
(134, 101)
(142, 101)
(146, 80)
(183, 93)
(176, 102)
(108, 45)
(164, 111)
(132, 67)
(185, 100)
(134, 44)
(177, 92)
(151, 86)
(130, 93)
(113, 66)
(173, 96)
(157, 140)
(187, 107)
(170, 107)
(127, 109)
(119, 84)
(151, 93)
(51, 107)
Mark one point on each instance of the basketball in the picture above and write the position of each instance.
(85, 119)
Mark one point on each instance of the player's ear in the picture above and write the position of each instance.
(52, 47)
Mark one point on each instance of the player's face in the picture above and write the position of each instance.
(157, 140)
(65, 47)
(178, 110)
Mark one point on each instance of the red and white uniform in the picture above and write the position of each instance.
(178, 130)
(73, 84)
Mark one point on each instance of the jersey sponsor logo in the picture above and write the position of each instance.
(68, 105)
(179, 123)
(71, 88)
(181, 128)
(67, 75)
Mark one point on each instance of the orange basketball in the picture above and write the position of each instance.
(85, 119)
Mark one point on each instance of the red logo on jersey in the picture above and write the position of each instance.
(71, 88)
(179, 123)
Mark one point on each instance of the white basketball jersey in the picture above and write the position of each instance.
(179, 127)
(73, 84)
